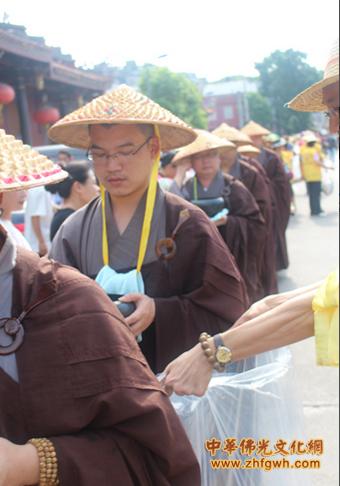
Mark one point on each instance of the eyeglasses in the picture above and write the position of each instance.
(332, 112)
(122, 157)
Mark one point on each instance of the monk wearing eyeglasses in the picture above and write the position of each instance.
(142, 245)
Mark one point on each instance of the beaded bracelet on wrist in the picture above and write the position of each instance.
(209, 353)
(48, 462)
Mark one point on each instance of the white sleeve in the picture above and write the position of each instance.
(38, 203)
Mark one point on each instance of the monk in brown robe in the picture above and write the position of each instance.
(251, 173)
(238, 167)
(257, 186)
(78, 403)
(243, 229)
(80, 380)
(280, 188)
(269, 272)
(191, 281)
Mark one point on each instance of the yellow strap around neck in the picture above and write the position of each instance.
(105, 241)
(150, 205)
(149, 210)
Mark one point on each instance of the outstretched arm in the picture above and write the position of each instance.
(286, 324)
(272, 301)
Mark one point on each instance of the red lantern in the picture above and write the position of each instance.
(7, 94)
(46, 115)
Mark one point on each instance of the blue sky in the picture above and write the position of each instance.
(211, 38)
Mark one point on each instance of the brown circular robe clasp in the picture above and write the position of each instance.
(14, 329)
(166, 249)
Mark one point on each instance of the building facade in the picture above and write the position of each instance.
(226, 101)
(45, 81)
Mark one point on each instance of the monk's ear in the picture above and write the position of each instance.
(154, 146)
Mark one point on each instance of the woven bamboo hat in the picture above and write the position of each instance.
(21, 167)
(122, 106)
(312, 98)
(248, 150)
(253, 129)
(231, 134)
(204, 142)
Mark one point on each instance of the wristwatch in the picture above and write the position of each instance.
(223, 354)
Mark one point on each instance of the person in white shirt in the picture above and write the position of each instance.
(38, 217)
(10, 202)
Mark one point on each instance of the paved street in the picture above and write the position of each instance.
(313, 245)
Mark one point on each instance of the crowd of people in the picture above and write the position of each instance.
(46, 208)
(185, 227)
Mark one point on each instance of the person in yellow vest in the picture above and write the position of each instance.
(277, 320)
(311, 162)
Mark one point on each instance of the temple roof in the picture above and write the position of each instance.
(14, 41)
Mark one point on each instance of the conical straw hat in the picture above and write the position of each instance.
(205, 141)
(231, 134)
(312, 98)
(121, 106)
(248, 149)
(253, 129)
(21, 167)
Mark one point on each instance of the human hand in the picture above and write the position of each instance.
(19, 465)
(222, 221)
(257, 309)
(43, 250)
(144, 314)
(189, 374)
(182, 168)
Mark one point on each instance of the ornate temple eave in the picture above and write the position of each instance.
(24, 47)
(77, 77)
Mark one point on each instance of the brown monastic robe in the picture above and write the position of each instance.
(245, 231)
(199, 289)
(257, 182)
(85, 385)
(281, 194)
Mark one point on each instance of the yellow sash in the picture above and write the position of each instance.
(149, 210)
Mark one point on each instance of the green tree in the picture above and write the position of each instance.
(260, 109)
(176, 92)
(282, 76)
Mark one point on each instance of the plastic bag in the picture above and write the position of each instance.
(327, 184)
(253, 400)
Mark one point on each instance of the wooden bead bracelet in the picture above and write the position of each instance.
(48, 462)
(209, 353)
